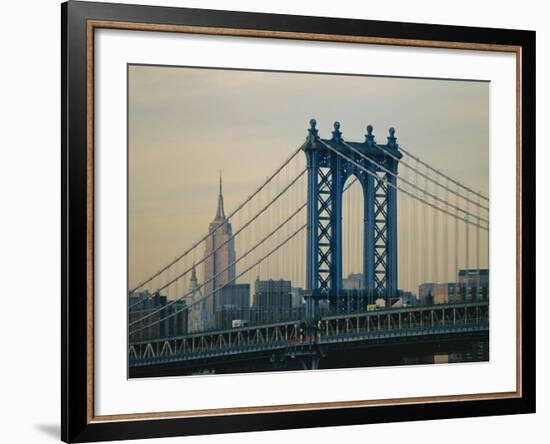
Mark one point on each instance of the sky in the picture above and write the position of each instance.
(186, 125)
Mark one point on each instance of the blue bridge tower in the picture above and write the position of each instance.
(330, 162)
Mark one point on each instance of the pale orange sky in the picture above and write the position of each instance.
(187, 124)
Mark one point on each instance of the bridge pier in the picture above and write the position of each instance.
(310, 363)
(309, 357)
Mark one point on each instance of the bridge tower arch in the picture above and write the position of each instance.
(353, 210)
(330, 162)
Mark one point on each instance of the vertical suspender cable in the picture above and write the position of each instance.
(402, 208)
(416, 231)
(478, 290)
(467, 244)
(349, 229)
(425, 241)
(456, 266)
(437, 252)
(446, 241)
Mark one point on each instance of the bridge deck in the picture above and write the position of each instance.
(359, 328)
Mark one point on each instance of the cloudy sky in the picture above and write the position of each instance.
(188, 124)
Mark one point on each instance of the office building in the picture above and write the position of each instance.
(219, 266)
(154, 316)
(233, 305)
(272, 300)
(354, 281)
(474, 284)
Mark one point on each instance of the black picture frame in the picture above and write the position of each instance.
(76, 423)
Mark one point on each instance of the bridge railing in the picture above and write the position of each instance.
(281, 337)
(335, 322)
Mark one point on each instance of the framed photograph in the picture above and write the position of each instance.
(275, 221)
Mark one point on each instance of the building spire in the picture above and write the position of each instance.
(194, 283)
(220, 214)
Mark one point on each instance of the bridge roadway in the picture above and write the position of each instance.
(308, 344)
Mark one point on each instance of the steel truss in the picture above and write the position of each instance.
(327, 174)
(335, 329)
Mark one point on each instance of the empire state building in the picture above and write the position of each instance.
(219, 266)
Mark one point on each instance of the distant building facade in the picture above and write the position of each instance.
(272, 300)
(430, 293)
(297, 297)
(354, 281)
(474, 284)
(454, 293)
(236, 295)
(219, 265)
(426, 292)
(154, 316)
(407, 298)
(233, 305)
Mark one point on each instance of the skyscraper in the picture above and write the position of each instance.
(219, 266)
(198, 315)
(272, 300)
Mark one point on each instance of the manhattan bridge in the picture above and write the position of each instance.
(334, 287)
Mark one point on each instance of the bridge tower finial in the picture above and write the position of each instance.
(369, 137)
(337, 134)
(313, 132)
(392, 140)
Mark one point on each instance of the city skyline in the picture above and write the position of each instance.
(167, 215)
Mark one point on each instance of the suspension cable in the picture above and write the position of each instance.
(221, 245)
(426, 192)
(201, 240)
(267, 255)
(397, 187)
(456, 182)
(222, 271)
(426, 176)
(230, 265)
